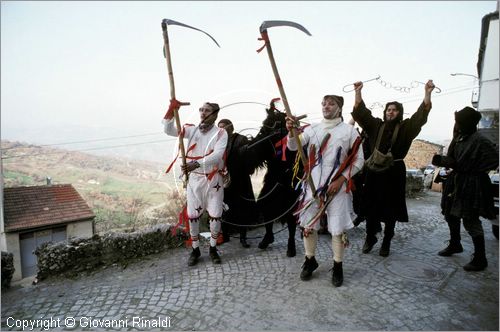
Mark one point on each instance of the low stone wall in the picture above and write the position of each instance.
(86, 254)
(414, 186)
(7, 268)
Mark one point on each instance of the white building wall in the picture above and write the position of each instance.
(489, 85)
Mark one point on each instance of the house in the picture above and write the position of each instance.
(421, 153)
(38, 214)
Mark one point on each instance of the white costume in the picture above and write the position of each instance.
(342, 136)
(205, 189)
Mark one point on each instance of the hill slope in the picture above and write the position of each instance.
(123, 193)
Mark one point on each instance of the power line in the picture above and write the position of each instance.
(87, 141)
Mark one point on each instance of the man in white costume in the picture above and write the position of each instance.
(329, 143)
(205, 190)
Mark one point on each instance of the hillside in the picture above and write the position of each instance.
(123, 193)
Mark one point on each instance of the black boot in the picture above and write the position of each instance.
(452, 248)
(369, 243)
(193, 257)
(291, 251)
(308, 267)
(337, 274)
(214, 255)
(385, 249)
(478, 262)
(266, 241)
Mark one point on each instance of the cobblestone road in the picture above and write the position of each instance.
(412, 289)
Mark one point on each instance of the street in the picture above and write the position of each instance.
(253, 289)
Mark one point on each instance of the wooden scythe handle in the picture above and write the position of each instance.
(172, 96)
(287, 106)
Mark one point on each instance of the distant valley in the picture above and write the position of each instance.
(123, 193)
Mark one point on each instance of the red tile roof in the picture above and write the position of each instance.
(38, 206)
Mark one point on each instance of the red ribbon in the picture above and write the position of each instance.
(174, 104)
(183, 219)
(265, 38)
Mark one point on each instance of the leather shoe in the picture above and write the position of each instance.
(193, 257)
(214, 255)
(310, 264)
(451, 249)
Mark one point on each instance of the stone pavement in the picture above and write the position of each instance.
(412, 289)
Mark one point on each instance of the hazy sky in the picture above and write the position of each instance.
(89, 70)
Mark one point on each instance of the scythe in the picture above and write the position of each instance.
(267, 44)
(174, 103)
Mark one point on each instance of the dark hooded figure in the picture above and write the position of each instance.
(384, 192)
(467, 191)
(238, 193)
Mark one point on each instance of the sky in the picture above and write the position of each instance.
(74, 71)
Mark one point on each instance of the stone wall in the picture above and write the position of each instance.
(85, 254)
(414, 186)
(7, 268)
(420, 153)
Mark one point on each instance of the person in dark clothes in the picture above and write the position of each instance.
(359, 184)
(384, 192)
(466, 192)
(238, 193)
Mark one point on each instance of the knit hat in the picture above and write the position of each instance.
(337, 99)
(467, 119)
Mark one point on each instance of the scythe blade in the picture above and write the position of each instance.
(269, 24)
(166, 22)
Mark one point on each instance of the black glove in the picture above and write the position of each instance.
(437, 160)
(443, 161)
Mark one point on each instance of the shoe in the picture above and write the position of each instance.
(214, 255)
(337, 274)
(308, 267)
(266, 241)
(193, 257)
(244, 243)
(291, 251)
(478, 263)
(369, 243)
(385, 249)
(452, 248)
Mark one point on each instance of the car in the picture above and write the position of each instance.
(495, 177)
(415, 173)
(429, 169)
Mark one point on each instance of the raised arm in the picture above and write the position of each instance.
(357, 93)
(361, 114)
(429, 86)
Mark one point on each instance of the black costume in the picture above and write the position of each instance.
(384, 193)
(359, 184)
(239, 194)
(278, 198)
(467, 190)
